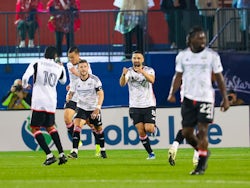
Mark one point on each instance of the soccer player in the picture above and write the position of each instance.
(142, 103)
(46, 74)
(70, 106)
(88, 89)
(194, 68)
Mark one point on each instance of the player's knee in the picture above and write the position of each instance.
(51, 129)
(35, 131)
(77, 129)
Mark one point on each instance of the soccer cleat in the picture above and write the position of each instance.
(72, 155)
(103, 154)
(197, 172)
(62, 160)
(154, 134)
(171, 156)
(49, 161)
(97, 150)
(202, 165)
(151, 156)
(80, 143)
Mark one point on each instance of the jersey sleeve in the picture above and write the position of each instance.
(90, 70)
(151, 71)
(63, 77)
(72, 87)
(178, 63)
(217, 66)
(28, 73)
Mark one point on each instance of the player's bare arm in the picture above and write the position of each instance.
(221, 85)
(123, 80)
(176, 83)
(95, 113)
(74, 71)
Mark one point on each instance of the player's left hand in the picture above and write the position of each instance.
(95, 114)
(224, 105)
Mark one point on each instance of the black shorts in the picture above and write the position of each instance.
(144, 115)
(194, 112)
(86, 115)
(42, 119)
(71, 105)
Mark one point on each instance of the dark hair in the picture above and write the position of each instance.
(50, 52)
(137, 52)
(231, 91)
(192, 32)
(74, 49)
(83, 61)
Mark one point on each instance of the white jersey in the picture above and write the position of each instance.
(46, 74)
(86, 91)
(141, 94)
(197, 69)
(73, 78)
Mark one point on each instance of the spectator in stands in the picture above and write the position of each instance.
(64, 20)
(173, 10)
(131, 20)
(27, 20)
(245, 20)
(233, 99)
(17, 98)
(207, 15)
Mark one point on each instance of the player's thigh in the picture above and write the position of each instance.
(189, 113)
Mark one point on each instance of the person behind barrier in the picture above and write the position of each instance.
(131, 20)
(233, 98)
(27, 20)
(207, 10)
(64, 20)
(173, 10)
(17, 98)
(244, 13)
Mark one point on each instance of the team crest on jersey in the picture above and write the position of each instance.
(29, 139)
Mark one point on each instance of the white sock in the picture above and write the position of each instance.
(175, 145)
(50, 155)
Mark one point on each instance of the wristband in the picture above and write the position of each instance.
(98, 107)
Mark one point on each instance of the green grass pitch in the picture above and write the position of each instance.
(227, 167)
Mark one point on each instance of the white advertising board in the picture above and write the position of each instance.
(230, 129)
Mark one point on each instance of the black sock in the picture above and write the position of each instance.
(55, 136)
(193, 142)
(70, 130)
(97, 140)
(76, 138)
(42, 143)
(146, 144)
(179, 137)
(101, 139)
(201, 163)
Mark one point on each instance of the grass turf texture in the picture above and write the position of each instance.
(227, 167)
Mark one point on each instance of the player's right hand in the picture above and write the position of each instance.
(171, 98)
